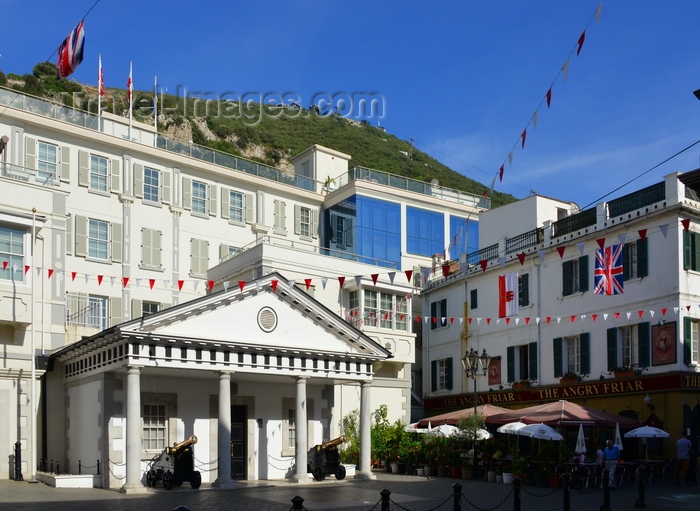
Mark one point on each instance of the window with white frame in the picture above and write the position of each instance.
(199, 197)
(572, 349)
(86, 310)
(575, 276)
(289, 431)
(155, 432)
(438, 314)
(305, 222)
(354, 303)
(401, 316)
(236, 206)
(98, 239)
(148, 308)
(370, 308)
(628, 346)
(47, 163)
(634, 260)
(12, 251)
(524, 290)
(441, 377)
(151, 184)
(386, 305)
(98, 173)
(694, 335)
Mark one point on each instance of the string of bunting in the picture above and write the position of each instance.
(308, 282)
(564, 71)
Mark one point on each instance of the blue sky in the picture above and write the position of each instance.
(462, 79)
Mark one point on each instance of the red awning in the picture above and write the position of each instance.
(453, 417)
(564, 413)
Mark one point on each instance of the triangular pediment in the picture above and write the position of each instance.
(272, 317)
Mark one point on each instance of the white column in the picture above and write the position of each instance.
(365, 471)
(133, 482)
(223, 479)
(301, 447)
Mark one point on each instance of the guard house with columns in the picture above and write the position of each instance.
(236, 368)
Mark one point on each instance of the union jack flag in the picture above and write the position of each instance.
(608, 277)
(70, 52)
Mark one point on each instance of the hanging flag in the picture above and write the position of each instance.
(129, 88)
(608, 277)
(549, 97)
(508, 294)
(580, 42)
(100, 82)
(500, 173)
(523, 137)
(70, 51)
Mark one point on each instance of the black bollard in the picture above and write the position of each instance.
(386, 494)
(80, 466)
(606, 491)
(566, 476)
(18, 462)
(516, 494)
(642, 479)
(457, 506)
(98, 467)
(297, 502)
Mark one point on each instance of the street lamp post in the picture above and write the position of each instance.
(473, 364)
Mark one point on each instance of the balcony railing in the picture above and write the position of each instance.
(526, 240)
(485, 254)
(412, 185)
(574, 222)
(637, 200)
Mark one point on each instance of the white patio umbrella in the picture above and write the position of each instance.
(618, 439)
(647, 432)
(511, 428)
(444, 429)
(580, 441)
(481, 434)
(540, 431)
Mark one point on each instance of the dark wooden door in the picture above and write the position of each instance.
(239, 415)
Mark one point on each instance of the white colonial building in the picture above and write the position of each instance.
(134, 269)
(551, 336)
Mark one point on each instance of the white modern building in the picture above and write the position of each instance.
(619, 335)
(134, 269)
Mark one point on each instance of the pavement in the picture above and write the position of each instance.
(408, 493)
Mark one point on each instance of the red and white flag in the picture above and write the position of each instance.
(101, 81)
(129, 88)
(508, 295)
(70, 51)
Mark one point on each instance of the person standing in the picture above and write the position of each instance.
(611, 455)
(683, 447)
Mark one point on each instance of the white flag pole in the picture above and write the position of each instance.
(131, 96)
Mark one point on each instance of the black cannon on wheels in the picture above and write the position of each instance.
(324, 459)
(174, 465)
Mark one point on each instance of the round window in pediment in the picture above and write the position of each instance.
(267, 319)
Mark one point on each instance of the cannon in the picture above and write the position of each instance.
(324, 459)
(174, 465)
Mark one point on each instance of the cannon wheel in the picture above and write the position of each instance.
(196, 480)
(340, 473)
(168, 480)
(151, 479)
(319, 474)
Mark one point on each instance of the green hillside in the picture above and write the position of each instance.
(272, 138)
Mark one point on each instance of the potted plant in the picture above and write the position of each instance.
(569, 377)
(624, 372)
(520, 467)
(499, 475)
(522, 384)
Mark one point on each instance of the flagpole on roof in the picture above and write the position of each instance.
(100, 93)
(129, 95)
(155, 107)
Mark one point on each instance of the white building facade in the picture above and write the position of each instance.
(529, 298)
(102, 223)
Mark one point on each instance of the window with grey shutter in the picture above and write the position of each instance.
(116, 315)
(83, 168)
(65, 164)
(225, 202)
(167, 187)
(30, 153)
(280, 217)
(117, 242)
(199, 257)
(249, 217)
(187, 193)
(138, 180)
(151, 248)
(115, 176)
(80, 236)
(211, 192)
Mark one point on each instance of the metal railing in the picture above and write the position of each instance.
(485, 254)
(525, 240)
(637, 200)
(574, 222)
